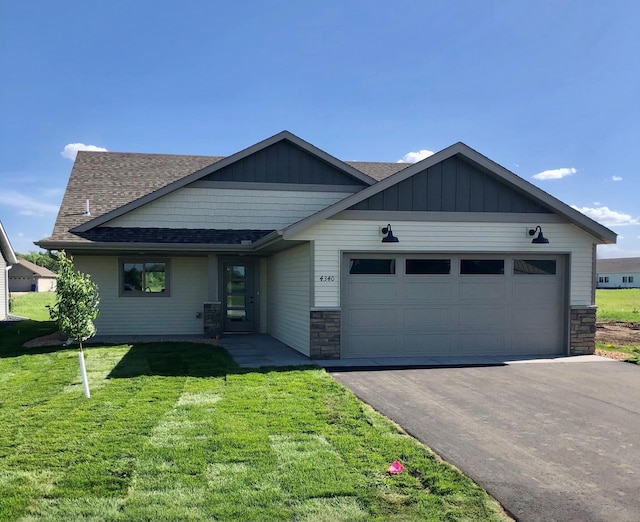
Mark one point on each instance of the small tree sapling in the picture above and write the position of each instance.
(76, 307)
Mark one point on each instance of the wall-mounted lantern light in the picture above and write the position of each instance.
(539, 239)
(389, 238)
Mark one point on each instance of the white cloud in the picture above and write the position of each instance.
(414, 157)
(608, 217)
(597, 203)
(70, 150)
(616, 178)
(555, 173)
(27, 205)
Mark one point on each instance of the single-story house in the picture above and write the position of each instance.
(622, 272)
(29, 277)
(336, 259)
(7, 260)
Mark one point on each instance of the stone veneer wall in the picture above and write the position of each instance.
(583, 330)
(325, 334)
(212, 320)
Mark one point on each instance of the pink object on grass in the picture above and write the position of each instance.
(396, 467)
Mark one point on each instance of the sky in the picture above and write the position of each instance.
(548, 89)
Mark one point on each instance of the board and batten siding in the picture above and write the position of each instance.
(173, 315)
(223, 208)
(332, 237)
(289, 295)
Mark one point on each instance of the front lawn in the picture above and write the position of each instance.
(618, 305)
(32, 304)
(176, 431)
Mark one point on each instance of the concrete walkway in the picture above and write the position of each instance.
(256, 350)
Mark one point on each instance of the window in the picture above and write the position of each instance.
(624, 279)
(631, 279)
(427, 266)
(534, 267)
(482, 266)
(144, 278)
(372, 266)
(601, 279)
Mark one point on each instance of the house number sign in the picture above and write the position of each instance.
(327, 278)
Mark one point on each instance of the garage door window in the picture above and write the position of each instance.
(372, 266)
(482, 266)
(428, 266)
(534, 267)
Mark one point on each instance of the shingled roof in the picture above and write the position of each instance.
(619, 265)
(110, 180)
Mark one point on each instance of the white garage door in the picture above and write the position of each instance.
(410, 305)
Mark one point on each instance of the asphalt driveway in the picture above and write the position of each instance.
(550, 441)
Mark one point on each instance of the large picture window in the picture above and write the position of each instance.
(148, 277)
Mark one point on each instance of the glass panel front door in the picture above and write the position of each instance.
(238, 296)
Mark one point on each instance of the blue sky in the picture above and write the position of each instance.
(537, 86)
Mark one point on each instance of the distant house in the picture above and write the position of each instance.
(623, 272)
(7, 260)
(26, 276)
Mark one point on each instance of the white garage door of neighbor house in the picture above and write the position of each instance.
(437, 305)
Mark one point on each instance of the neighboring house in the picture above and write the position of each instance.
(623, 272)
(336, 259)
(7, 260)
(29, 277)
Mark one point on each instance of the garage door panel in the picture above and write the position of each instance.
(528, 342)
(546, 318)
(536, 291)
(481, 316)
(366, 317)
(486, 343)
(428, 290)
(483, 290)
(369, 290)
(416, 344)
(502, 314)
(425, 317)
(371, 345)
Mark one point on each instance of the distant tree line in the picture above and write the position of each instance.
(45, 259)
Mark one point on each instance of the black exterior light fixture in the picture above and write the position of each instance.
(389, 238)
(540, 239)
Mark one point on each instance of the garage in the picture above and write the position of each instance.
(403, 305)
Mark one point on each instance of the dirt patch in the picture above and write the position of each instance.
(618, 334)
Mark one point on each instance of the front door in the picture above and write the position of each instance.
(238, 300)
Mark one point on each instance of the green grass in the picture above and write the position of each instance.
(618, 305)
(33, 305)
(176, 431)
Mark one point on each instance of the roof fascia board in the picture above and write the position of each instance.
(123, 247)
(7, 250)
(214, 167)
(587, 224)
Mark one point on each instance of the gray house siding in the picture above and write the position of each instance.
(453, 185)
(283, 162)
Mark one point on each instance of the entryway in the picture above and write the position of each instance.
(238, 295)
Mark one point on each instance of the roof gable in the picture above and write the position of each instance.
(476, 159)
(452, 185)
(285, 162)
(317, 161)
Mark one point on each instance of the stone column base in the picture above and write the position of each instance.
(212, 320)
(325, 334)
(582, 336)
